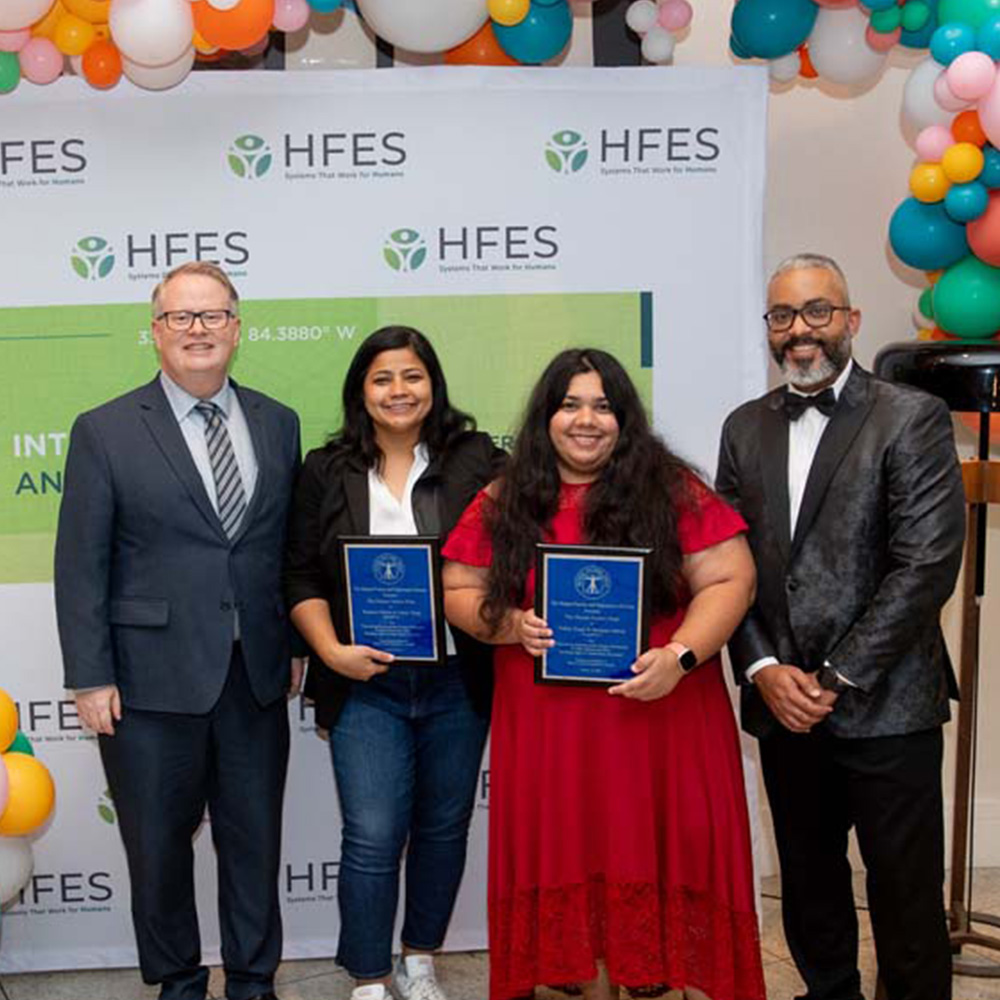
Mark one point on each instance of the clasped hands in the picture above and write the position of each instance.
(657, 670)
(794, 697)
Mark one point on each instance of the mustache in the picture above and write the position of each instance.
(802, 340)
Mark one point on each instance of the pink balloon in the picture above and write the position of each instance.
(836, 4)
(971, 75)
(14, 41)
(989, 114)
(944, 96)
(882, 41)
(675, 15)
(41, 61)
(291, 15)
(933, 142)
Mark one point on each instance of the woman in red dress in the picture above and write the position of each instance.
(619, 840)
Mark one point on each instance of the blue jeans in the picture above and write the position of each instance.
(406, 754)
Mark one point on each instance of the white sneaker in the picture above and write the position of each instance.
(373, 991)
(414, 979)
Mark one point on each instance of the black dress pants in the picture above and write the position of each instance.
(889, 789)
(163, 769)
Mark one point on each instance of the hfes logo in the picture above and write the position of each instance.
(566, 152)
(92, 258)
(405, 250)
(249, 157)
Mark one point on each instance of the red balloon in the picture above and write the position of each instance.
(984, 233)
(482, 49)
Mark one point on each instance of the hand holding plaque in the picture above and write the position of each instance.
(394, 595)
(595, 601)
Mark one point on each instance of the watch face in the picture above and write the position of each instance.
(687, 660)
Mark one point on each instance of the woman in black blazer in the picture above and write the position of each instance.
(406, 741)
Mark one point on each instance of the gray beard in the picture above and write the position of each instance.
(804, 375)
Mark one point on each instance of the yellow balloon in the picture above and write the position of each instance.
(74, 35)
(925, 334)
(200, 45)
(102, 32)
(962, 162)
(928, 182)
(95, 11)
(31, 795)
(46, 26)
(8, 720)
(509, 12)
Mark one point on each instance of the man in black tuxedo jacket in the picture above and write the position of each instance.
(853, 494)
(173, 632)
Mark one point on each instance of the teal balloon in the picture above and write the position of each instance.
(921, 38)
(925, 237)
(967, 300)
(926, 302)
(769, 29)
(990, 174)
(326, 6)
(738, 49)
(21, 744)
(988, 38)
(966, 202)
(974, 13)
(10, 72)
(542, 35)
(951, 41)
(879, 4)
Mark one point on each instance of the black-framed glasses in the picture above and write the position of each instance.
(181, 320)
(814, 314)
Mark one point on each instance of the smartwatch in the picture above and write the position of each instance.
(687, 658)
(830, 680)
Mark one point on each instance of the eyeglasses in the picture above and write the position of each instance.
(181, 320)
(814, 314)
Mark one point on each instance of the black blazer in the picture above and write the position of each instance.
(877, 548)
(146, 579)
(331, 500)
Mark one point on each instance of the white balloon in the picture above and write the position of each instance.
(223, 4)
(658, 45)
(152, 32)
(838, 50)
(16, 864)
(920, 108)
(428, 26)
(641, 16)
(159, 77)
(785, 69)
(17, 14)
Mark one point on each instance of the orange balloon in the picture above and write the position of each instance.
(8, 720)
(238, 28)
(933, 276)
(95, 11)
(31, 796)
(102, 65)
(806, 68)
(967, 128)
(46, 26)
(482, 49)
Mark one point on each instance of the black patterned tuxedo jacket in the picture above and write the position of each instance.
(875, 554)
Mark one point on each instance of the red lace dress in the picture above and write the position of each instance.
(618, 828)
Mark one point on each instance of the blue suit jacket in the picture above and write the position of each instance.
(147, 581)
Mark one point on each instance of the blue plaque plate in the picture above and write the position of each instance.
(596, 603)
(394, 595)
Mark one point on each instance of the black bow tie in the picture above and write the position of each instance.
(795, 404)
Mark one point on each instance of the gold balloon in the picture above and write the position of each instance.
(508, 12)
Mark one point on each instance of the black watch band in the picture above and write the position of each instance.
(830, 680)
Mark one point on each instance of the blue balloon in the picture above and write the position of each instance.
(923, 236)
(988, 38)
(952, 40)
(990, 174)
(769, 29)
(966, 202)
(542, 35)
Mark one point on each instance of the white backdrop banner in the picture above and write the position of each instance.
(507, 213)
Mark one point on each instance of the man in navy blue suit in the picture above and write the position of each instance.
(173, 632)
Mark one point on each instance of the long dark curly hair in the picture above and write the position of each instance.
(634, 501)
(442, 425)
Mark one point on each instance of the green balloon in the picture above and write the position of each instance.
(21, 744)
(915, 15)
(926, 302)
(10, 72)
(973, 12)
(967, 299)
(886, 21)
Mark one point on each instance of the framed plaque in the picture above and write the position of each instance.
(596, 601)
(394, 600)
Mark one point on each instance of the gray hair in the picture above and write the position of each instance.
(801, 261)
(202, 267)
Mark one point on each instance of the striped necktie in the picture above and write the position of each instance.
(229, 493)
